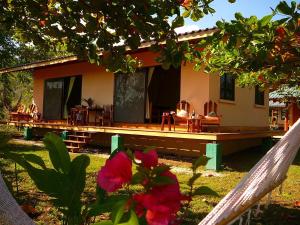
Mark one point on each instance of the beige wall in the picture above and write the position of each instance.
(242, 112)
(194, 87)
(96, 82)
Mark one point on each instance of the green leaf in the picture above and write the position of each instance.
(137, 178)
(201, 161)
(118, 212)
(77, 176)
(204, 190)
(160, 169)
(186, 13)
(35, 159)
(284, 8)
(58, 152)
(193, 179)
(266, 20)
(178, 22)
(163, 180)
(133, 220)
(105, 205)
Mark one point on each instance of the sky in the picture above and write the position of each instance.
(226, 10)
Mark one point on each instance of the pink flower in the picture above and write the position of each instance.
(115, 172)
(161, 203)
(148, 159)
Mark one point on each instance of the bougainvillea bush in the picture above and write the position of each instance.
(132, 187)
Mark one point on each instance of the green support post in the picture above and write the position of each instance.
(214, 155)
(117, 143)
(28, 133)
(64, 135)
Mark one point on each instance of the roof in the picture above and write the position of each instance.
(276, 104)
(186, 36)
(285, 94)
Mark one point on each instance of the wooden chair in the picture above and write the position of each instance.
(105, 116)
(183, 107)
(211, 117)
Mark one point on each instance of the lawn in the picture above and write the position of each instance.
(236, 166)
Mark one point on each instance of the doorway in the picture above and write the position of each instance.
(60, 95)
(163, 92)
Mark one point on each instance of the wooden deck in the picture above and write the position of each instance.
(175, 142)
(152, 130)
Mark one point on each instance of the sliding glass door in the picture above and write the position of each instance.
(129, 97)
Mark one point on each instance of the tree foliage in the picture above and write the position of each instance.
(261, 52)
(100, 30)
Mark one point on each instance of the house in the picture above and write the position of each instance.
(284, 106)
(63, 82)
(141, 98)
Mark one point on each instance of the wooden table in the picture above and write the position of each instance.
(194, 124)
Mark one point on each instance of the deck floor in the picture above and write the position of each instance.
(151, 130)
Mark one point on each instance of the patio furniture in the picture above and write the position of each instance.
(22, 114)
(211, 117)
(105, 115)
(194, 124)
(78, 116)
(166, 117)
(180, 117)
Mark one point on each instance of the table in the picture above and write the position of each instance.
(194, 124)
(166, 117)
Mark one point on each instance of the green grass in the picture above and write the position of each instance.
(235, 167)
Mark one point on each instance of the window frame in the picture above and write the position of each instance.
(227, 92)
(259, 97)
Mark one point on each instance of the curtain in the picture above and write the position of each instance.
(71, 84)
(148, 109)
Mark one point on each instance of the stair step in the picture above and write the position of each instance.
(78, 136)
(74, 141)
(73, 148)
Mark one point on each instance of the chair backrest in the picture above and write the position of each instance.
(183, 105)
(210, 107)
(108, 112)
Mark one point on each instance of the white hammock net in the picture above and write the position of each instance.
(266, 175)
(10, 211)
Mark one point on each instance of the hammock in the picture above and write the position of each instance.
(265, 176)
(10, 211)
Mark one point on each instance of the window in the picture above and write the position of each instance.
(259, 96)
(227, 87)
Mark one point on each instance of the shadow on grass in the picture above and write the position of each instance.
(244, 161)
(276, 214)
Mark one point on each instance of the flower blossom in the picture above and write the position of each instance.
(116, 172)
(149, 159)
(161, 204)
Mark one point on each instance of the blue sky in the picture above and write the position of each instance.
(226, 10)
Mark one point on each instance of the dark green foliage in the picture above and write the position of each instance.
(89, 28)
(257, 51)
(64, 183)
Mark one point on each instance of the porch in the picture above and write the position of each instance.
(178, 142)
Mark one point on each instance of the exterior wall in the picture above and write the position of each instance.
(96, 82)
(194, 87)
(241, 113)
